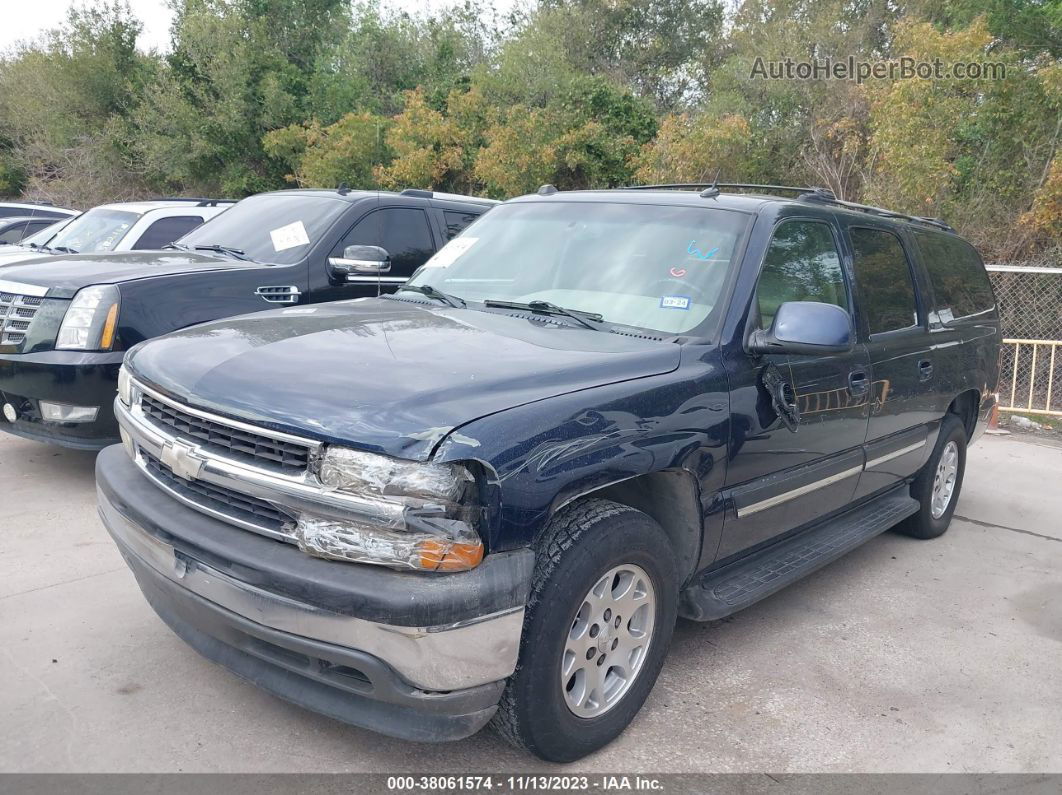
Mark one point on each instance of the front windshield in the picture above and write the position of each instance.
(271, 228)
(96, 230)
(656, 267)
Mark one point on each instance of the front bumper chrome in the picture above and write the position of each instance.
(437, 658)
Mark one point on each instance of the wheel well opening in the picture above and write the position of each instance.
(965, 408)
(671, 498)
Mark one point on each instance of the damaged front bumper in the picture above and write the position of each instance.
(412, 655)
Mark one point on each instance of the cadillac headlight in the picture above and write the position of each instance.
(431, 524)
(91, 320)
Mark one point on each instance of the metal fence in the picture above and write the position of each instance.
(1030, 306)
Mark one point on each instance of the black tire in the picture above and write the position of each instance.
(582, 543)
(923, 524)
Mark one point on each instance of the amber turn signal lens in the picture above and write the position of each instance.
(439, 555)
(109, 327)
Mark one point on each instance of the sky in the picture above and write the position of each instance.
(22, 20)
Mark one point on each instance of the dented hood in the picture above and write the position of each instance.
(383, 374)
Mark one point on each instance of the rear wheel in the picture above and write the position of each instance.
(598, 623)
(938, 485)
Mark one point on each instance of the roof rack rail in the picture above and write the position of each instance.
(870, 209)
(198, 200)
(708, 185)
(418, 193)
(806, 193)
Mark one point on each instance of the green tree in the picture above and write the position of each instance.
(325, 157)
(62, 98)
(238, 69)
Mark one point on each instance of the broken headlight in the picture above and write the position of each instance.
(430, 518)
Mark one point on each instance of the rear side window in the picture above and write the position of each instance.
(456, 222)
(960, 283)
(801, 264)
(884, 278)
(14, 233)
(166, 230)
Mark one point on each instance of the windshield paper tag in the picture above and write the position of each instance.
(289, 236)
(448, 254)
(675, 302)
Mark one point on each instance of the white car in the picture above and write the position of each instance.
(123, 226)
(35, 210)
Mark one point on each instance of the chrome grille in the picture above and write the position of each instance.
(236, 443)
(233, 505)
(16, 313)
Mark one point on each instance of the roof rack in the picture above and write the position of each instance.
(705, 185)
(806, 193)
(417, 193)
(827, 196)
(198, 200)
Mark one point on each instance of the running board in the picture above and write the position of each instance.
(717, 594)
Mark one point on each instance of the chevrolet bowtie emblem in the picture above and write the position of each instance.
(182, 460)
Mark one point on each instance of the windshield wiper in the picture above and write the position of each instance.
(232, 252)
(431, 292)
(64, 249)
(590, 320)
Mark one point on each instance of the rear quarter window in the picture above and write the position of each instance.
(456, 221)
(956, 274)
(884, 279)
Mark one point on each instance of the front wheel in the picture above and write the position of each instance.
(597, 627)
(938, 485)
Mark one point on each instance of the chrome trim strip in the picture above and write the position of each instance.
(770, 502)
(896, 454)
(447, 657)
(311, 444)
(374, 279)
(23, 289)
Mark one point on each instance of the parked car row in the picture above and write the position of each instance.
(469, 475)
(70, 319)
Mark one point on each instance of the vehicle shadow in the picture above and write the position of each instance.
(46, 462)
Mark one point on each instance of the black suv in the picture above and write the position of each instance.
(490, 494)
(66, 323)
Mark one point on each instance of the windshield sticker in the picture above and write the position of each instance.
(678, 273)
(692, 250)
(290, 236)
(301, 311)
(448, 254)
(675, 302)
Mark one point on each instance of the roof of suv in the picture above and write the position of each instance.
(35, 208)
(142, 207)
(691, 195)
(357, 195)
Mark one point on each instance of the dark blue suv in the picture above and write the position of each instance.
(490, 494)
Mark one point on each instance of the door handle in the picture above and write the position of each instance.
(857, 382)
(925, 370)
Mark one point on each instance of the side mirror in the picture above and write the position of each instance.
(805, 328)
(367, 260)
